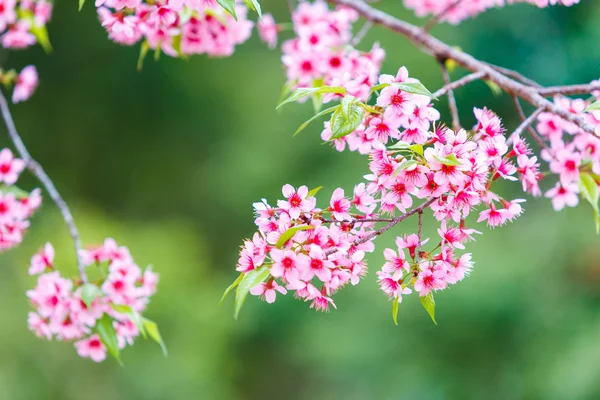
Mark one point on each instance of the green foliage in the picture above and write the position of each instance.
(449, 160)
(287, 235)
(16, 191)
(229, 6)
(305, 124)
(346, 118)
(589, 190)
(106, 331)
(231, 287)
(250, 279)
(89, 293)
(593, 107)
(144, 48)
(313, 192)
(409, 87)
(302, 93)
(133, 315)
(429, 304)
(152, 328)
(404, 165)
(254, 6)
(395, 305)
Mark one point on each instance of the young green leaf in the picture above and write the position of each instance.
(108, 336)
(81, 3)
(417, 148)
(41, 34)
(133, 315)
(231, 287)
(17, 192)
(414, 87)
(589, 190)
(496, 90)
(593, 107)
(287, 235)
(314, 191)
(449, 160)
(429, 305)
(305, 124)
(395, 310)
(404, 165)
(400, 146)
(229, 6)
(301, 93)
(345, 119)
(254, 6)
(143, 53)
(89, 293)
(152, 329)
(250, 279)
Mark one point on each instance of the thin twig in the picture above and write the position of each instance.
(37, 170)
(390, 225)
(357, 221)
(439, 16)
(419, 233)
(532, 131)
(451, 99)
(465, 80)
(515, 75)
(441, 50)
(526, 123)
(362, 33)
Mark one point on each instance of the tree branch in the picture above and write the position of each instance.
(390, 225)
(37, 170)
(439, 16)
(569, 89)
(441, 50)
(532, 131)
(465, 80)
(451, 99)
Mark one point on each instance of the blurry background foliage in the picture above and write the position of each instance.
(168, 162)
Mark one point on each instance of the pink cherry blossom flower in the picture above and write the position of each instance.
(91, 347)
(10, 167)
(297, 201)
(267, 29)
(563, 195)
(340, 205)
(267, 290)
(43, 260)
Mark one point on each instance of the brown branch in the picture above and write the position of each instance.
(526, 122)
(569, 89)
(390, 225)
(465, 80)
(37, 170)
(451, 99)
(532, 131)
(356, 221)
(515, 75)
(443, 51)
(419, 235)
(362, 33)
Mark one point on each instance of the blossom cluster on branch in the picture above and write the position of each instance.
(99, 316)
(416, 163)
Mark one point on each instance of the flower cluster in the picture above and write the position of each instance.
(176, 28)
(322, 52)
(24, 82)
(313, 252)
(99, 317)
(454, 12)
(16, 205)
(571, 153)
(23, 22)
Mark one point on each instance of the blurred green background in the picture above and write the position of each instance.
(168, 162)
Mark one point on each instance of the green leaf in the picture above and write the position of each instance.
(400, 146)
(231, 287)
(395, 311)
(301, 93)
(81, 3)
(496, 90)
(368, 108)
(253, 5)
(152, 329)
(108, 336)
(17, 192)
(589, 190)
(229, 6)
(305, 124)
(449, 160)
(379, 87)
(417, 148)
(404, 165)
(41, 34)
(133, 315)
(429, 305)
(593, 107)
(414, 87)
(313, 192)
(143, 53)
(89, 293)
(250, 279)
(346, 118)
(287, 235)
(177, 47)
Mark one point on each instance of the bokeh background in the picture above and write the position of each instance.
(168, 161)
